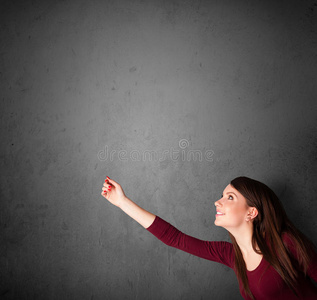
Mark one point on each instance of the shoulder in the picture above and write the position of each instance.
(293, 243)
(296, 246)
(287, 238)
(222, 246)
(223, 250)
(289, 242)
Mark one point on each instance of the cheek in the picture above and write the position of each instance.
(238, 213)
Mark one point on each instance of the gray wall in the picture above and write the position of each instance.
(155, 84)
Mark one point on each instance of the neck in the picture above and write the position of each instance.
(243, 237)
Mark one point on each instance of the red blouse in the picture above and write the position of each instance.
(270, 286)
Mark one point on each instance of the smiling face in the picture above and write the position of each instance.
(232, 209)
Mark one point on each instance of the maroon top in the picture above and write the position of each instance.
(271, 286)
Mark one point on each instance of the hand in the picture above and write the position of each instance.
(113, 192)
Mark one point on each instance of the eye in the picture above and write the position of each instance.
(230, 197)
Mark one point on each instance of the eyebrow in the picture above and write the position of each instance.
(232, 193)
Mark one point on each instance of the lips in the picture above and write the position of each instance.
(219, 213)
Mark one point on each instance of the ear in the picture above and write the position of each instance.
(252, 213)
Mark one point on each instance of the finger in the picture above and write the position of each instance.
(106, 189)
(107, 185)
(107, 181)
(114, 183)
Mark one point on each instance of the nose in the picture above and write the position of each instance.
(218, 203)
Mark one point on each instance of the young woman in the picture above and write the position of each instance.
(271, 258)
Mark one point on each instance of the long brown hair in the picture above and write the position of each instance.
(268, 227)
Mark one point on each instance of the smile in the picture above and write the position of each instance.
(219, 214)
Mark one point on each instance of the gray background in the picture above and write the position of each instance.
(234, 81)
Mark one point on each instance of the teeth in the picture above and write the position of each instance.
(219, 213)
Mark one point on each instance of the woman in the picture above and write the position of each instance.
(271, 258)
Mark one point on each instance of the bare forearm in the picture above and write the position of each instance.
(142, 216)
(113, 192)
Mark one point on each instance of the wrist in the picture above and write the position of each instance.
(123, 202)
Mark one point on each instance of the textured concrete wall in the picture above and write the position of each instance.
(172, 99)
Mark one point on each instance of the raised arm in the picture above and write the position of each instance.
(114, 193)
(216, 251)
